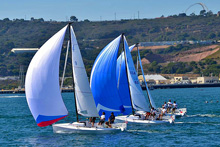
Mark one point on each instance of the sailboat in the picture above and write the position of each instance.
(43, 92)
(178, 112)
(112, 92)
(139, 101)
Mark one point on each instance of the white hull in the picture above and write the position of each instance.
(179, 112)
(137, 120)
(87, 129)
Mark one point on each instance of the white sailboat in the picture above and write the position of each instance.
(138, 100)
(43, 91)
(178, 112)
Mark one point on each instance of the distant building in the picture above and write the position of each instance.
(153, 79)
(180, 79)
(193, 81)
(9, 78)
(207, 80)
(218, 14)
(24, 50)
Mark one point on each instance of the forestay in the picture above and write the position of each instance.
(148, 92)
(123, 83)
(84, 98)
(138, 99)
(103, 80)
(42, 82)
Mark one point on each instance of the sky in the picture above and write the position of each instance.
(96, 10)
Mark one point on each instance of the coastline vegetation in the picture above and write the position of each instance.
(94, 35)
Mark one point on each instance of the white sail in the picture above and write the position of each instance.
(42, 82)
(148, 92)
(138, 99)
(84, 98)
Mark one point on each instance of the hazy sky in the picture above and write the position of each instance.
(60, 10)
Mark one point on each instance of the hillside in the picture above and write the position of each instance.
(93, 36)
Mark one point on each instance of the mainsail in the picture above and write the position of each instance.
(138, 99)
(42, 83)
(103, 80)
(84, 98)
(123, 83)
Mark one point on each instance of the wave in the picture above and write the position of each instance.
(13, 96)
(199, 122)
(204, 115)
(143, 131)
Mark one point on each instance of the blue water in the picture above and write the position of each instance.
(200, 128)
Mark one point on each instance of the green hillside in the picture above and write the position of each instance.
(93, 36)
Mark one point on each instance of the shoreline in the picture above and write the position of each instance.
(151, 87)
(169, 86)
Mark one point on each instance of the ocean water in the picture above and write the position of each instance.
(201, 127)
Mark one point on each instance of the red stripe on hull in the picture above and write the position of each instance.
(50, 122)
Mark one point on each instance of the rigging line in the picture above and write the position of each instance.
(137, 63)
(144, 76)
(64, 70)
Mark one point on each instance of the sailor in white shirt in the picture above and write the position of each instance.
(174, 106)
(165, 105)
(169, 105)
(153, 112)
(163, 112)
(102, 119)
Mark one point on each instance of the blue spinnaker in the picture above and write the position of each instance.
(122, 83)
(103, 80)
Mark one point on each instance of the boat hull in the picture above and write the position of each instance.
(137, 120)
(179, 112)
(82, 129)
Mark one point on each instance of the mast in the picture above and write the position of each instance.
(127, 72)
(143, 76)
(77, 115)
(137, 62)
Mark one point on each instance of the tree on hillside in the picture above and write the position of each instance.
(211, 35)
(192, 14)
(202, 12)
(6, 19)
(209, 13)
(182, 14)
(32, 18)
(73, 18)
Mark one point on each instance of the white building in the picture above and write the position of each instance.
(154, 79)
(24, 50)
(207, 80)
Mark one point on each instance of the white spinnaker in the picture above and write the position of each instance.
(138, 99)
(42, 79)
(84, 98)
(148, 92)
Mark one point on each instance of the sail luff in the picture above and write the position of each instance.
(74, 90)
(138, 99)
(85, 104)
(147, 89)
(127, 69)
